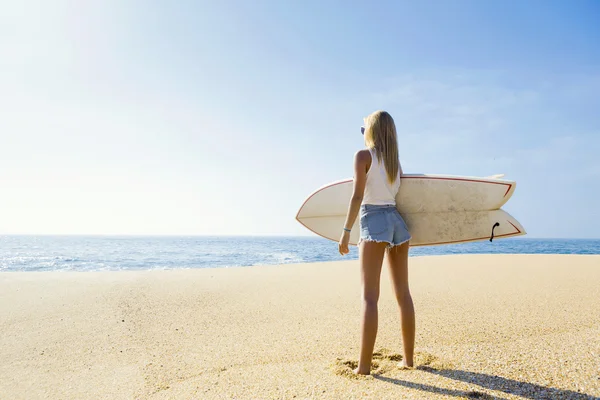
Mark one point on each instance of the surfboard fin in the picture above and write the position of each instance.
(494, 227)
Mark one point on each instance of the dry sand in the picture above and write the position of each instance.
(502, 326)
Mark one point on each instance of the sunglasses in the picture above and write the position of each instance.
(362, 130)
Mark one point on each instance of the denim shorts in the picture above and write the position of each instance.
(382, 224)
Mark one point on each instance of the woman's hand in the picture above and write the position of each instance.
(343, 244)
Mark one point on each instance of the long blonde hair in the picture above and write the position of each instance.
(380, 135)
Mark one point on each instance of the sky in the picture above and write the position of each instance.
(220, 118)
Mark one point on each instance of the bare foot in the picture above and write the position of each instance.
(357, 372)
(405, 365)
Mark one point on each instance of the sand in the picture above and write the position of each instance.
(501, 326)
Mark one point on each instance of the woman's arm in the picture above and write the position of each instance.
(362, 162)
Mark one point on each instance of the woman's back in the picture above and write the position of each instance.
(378, 189)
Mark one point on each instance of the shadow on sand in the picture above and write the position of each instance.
(491, 382)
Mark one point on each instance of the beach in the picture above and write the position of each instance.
(488, 326)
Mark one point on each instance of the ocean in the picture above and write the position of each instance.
(114, 253)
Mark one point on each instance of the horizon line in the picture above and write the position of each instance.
(237, 236)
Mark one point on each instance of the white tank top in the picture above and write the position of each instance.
(378, 190)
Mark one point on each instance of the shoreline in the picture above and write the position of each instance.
(300, 264)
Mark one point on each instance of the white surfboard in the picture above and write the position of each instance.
(438, 209)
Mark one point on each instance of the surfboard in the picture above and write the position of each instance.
(438, 209)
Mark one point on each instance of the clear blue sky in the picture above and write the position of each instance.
(187, 117)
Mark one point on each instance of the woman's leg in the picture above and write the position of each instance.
(398, 261)
(371, 258)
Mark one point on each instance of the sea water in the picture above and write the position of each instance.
(112, 253)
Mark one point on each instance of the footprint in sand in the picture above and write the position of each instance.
(384, 361)
(428, 362)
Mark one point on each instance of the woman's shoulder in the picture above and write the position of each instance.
(363, 155)
(362, 159)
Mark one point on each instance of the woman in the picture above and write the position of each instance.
(377, 174)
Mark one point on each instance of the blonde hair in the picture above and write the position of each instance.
(380, 135)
